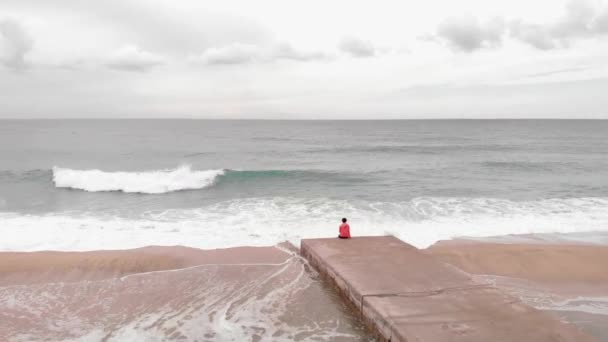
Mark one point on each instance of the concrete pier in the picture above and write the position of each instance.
(406, 295)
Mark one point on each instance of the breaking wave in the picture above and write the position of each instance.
(145, 182)
(181, 178)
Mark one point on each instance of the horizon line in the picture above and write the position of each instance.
(300, 119)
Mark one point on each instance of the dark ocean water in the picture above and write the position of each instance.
(224, 183)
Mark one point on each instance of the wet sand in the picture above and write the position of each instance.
(169, 293)
(50, 266)
(569, 280)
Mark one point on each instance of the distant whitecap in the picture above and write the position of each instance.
(145, 182)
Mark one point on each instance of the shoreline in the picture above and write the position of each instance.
(474, 255)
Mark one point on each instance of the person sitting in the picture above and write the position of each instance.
(344, 230)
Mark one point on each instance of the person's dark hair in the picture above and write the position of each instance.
(344, 220)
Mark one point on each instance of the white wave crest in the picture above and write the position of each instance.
(145, 182)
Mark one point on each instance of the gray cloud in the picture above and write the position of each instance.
(533, 34)
(581, 19)
(466, 33)
(15, 43)
(576, 20)
(239, 53)
(600, 24)
(557, 71)
(286, 51)
(176, 29)
(357, 47)
(236, 53)
(132, 58)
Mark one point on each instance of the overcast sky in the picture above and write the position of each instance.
(304, 60)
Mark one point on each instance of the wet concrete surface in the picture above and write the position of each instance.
(408, 295)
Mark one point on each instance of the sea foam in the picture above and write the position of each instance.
(268, 221)
(145, 182)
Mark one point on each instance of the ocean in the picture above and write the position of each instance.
(115, 184)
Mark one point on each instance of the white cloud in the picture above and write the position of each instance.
(15, 43)
(132, 58)
(466, 33)
(357, 47)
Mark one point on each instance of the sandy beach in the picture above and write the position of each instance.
(544, 263)
(568, 280)
(21, 268)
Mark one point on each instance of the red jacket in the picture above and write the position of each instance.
(345, 230)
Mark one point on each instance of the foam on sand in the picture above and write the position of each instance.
(145, 182)
(260, 294)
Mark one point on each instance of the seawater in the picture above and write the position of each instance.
(109, 184)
